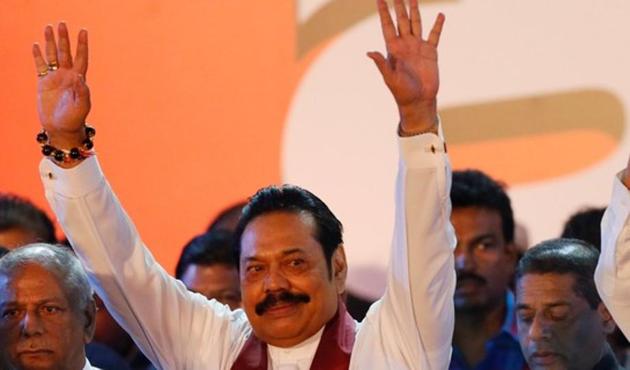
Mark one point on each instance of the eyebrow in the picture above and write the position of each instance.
(284, 254)
(548, 305)
(40, 302)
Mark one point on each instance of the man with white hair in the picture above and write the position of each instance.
(47, 310)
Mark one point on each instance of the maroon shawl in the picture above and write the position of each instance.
(333, 351)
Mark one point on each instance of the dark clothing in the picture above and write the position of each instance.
(608, 362)
(503, 351)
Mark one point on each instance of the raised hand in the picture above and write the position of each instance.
(63, 97)
(411, 67)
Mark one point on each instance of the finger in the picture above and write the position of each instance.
(416, 21)
(381, 63)
(40, 63)
(51, 46)
(387, 25)
(63, 50)
(401, 17)
(81, 59)
(436, 31)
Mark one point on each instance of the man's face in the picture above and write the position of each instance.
(280, 257)
(218, 281)
(16, 237)
(484, 262)
(39, 327)
(557, 328)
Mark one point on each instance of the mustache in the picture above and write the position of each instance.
(462, 276)
(273, 299)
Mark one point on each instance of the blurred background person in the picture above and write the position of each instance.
(485, 259)
(562, 321)
(586, 225)
(21, 223)
(208, 266)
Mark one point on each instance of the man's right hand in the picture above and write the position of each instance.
(63, 97)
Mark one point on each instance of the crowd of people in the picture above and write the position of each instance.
(264, 286)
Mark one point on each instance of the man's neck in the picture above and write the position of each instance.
(473, 328)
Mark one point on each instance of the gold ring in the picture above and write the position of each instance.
(53, 66)
(42, 73)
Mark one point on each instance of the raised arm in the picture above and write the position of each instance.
(414, 320)
(613, 269)
(174, 328)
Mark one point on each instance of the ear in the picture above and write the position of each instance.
(608, 323)
(339, 269)
(90, 321)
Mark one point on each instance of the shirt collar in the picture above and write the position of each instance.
(509, 323)
(304, 351)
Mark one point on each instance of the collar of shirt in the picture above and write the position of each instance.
(298, 357)
(501, 350)
(89, 366)
(509, 324)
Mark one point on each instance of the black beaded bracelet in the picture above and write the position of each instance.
(67, 156)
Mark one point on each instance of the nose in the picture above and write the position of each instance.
(464, 259)
(275, 280)
(32, 324)
(539, 328)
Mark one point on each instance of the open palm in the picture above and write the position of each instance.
(63, 99)
(410, 69)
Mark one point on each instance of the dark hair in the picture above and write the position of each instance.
(17, 212)
(3, 251)
(210, 248)
(585, 225)
(473, 188)
(226, 217)
(293, 199)
(564, 256)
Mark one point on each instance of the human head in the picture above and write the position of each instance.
(562, 322)
(585, 225)
(208, 266)
(485, 255)
(292, 264)
(46, 309)
(228, 218)
(21, 223)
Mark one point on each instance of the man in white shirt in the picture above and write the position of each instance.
(612, 275)
(47, 312)
(292, 261)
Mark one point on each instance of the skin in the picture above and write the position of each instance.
(482, 252)
(557, 328)
(410, 71)
(280, 253)
(217, 281)
(40, 328)
(15, 237)
(480, 303)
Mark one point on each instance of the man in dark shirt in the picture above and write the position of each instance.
(485, 258)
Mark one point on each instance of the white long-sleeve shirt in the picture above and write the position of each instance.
(612, 275)
(409, 328)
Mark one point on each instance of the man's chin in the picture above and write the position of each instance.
(37, 360)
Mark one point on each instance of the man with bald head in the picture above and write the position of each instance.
(47, 312)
